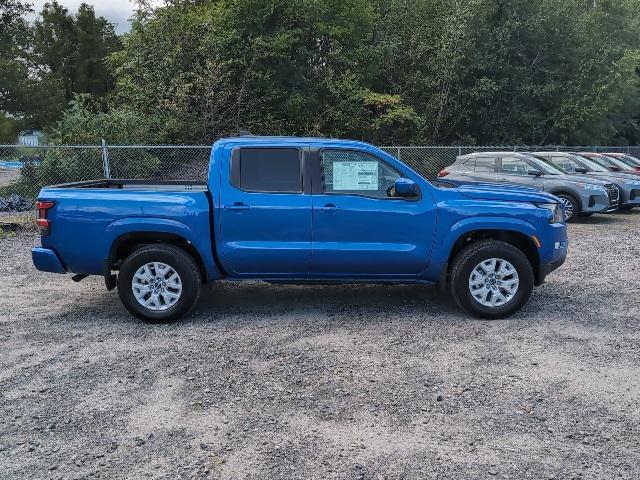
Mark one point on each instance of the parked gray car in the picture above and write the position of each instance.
(628, 183)
(610, 163)
(578, 194)
(627, 159)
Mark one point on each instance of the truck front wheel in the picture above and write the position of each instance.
(159, 283)
(491, 279)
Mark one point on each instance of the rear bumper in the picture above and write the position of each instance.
(47, 260)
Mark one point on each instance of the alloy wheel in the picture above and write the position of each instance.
(156, 286)
(493, 282)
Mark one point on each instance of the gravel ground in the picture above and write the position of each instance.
(326, 382)
(8, 175)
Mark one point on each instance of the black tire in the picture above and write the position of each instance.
(467, 260)
(575, 206)
(184, 266)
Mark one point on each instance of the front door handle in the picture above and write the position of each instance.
(238, 206)
(328, 208)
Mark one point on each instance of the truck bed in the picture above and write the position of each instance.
(145, 185)
(99, 212)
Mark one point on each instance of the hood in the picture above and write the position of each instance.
(504, 192)
(615, 176)
(579, 177)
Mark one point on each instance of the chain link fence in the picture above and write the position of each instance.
(24, 170)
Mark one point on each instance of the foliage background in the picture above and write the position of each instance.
(385, 71)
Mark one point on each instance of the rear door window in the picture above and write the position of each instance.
(267, 170)
(485, 165)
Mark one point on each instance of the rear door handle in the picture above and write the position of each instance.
(238, 206)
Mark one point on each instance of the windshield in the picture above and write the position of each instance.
(629, 160)
(593, 166)
(588, 164)
(566, 164)
(545, 167)
(602, 160)
(597, 161)
(617, 163)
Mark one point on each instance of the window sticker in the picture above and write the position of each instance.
(355, 176)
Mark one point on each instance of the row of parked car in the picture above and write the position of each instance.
(585, 182)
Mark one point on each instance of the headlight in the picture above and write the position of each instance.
(557, 213)
(590, 186)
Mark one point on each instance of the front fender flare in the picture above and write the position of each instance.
(444, 245)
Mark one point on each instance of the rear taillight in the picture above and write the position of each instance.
(44, 225)
(442, 173)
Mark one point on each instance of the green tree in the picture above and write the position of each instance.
(74, 48)
(9, 128)
(14, 69)
(269, 67)
(387, 71)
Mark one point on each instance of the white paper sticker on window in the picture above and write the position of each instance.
(355, 176)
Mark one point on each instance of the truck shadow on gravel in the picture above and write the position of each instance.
(232, 299)
(608, 219)
(229, 301)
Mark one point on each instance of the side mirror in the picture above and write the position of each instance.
(535, 172)
(406, 188)
(581, 170)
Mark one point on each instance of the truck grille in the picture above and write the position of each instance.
(614, 196)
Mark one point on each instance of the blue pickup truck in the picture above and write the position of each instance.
(301, 210)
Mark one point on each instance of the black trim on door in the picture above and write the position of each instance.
(316, 171)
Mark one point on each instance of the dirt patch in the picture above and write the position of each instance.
(326, 382)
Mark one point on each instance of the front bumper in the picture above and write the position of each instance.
(630, 196)
(47, 260)
(547, 268)
(598, 202)
(554, 250)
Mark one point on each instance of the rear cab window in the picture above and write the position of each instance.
(267, 170)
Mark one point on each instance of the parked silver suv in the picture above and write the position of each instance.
(628, 183)
(579, 195)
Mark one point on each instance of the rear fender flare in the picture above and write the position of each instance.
(127, 226)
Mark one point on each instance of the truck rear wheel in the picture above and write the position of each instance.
(491, 279)
(159, 283)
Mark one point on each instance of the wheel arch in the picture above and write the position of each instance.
(516, 238)
(561, 191)
(127, 243)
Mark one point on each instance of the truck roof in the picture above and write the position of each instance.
(290, 141)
